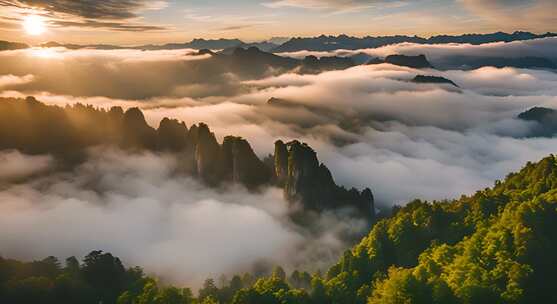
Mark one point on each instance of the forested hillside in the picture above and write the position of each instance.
(495, 246)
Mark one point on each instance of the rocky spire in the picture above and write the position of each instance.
(172, 135)
(312, 184)
(137, 134)
(207, 154)
(241, 164)
(281, 162)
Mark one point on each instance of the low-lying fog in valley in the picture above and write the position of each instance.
(370, 124)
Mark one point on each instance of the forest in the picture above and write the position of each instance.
(490, 247)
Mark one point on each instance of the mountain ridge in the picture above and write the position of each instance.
(35, 128)
(318, 43)
(331, 43)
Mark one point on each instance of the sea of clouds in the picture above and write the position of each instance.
(369, 124)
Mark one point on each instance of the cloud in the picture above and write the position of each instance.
(235, 27)
(12, 80)
(371, 125)
(17, 166)
(453, 56)
(128, 74)
(144, 212)
(108, 14)
(340, 6)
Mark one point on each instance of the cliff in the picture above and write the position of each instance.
(35, 128)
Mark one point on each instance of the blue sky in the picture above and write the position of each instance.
(144, 21)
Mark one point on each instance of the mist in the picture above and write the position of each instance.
(136, 207)
(451, 56)
(371, 125)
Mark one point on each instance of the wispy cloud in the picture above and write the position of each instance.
(338, 6)
(108, 14)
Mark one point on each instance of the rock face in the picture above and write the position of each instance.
(281, 163)
(136, 132)
(307, 181)
(241, 165)
(172, 135)
(207, 152)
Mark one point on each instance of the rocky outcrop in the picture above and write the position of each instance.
(172, 135)
(207, 153)
(281, 163)
(241, 165)
(307, 181)
(35, 128)
(136, 132)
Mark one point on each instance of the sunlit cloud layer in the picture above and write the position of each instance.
(370, 124)
(176, 228)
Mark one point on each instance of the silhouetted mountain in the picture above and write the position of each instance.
(469, 62)
(7, 45)
(321, 43)
(265, 46)
(255, 56)
(279, 40)
(416, 62)
(35, 128)
(331, 43)
(214, 44)
(312, 64)
(433, 79)
(253, 62)
(546, 119)
(198, 44)
(69, 46)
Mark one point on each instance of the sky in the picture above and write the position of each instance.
(128, 22)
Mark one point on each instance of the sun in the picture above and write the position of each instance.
(34, 25)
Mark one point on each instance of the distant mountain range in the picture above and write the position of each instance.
(253, 56)
(321, 43)
(197, 44)
(7, 45)
(331, 43)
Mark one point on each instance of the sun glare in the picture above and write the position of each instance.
(34, 25)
